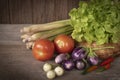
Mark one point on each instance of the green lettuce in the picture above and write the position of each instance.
(96, 21)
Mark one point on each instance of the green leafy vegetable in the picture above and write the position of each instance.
(96, 21)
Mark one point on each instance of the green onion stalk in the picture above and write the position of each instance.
(45, 31)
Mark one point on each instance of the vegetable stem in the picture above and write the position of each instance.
(29, 45)
(102, 48)
(52, 37)
(47, 26)
(49, 33)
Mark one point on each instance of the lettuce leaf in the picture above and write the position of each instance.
(96, 21)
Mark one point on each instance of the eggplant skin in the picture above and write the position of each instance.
(105, 53)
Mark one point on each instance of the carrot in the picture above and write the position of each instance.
(90, 69)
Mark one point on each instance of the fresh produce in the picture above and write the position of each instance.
(95, 25)
(68, 65)
(103, 68)
(52, 70)
(104, 65)
(80, 65)
(93, 60)
(59, 71)
(47, 67)
(43, 27)
(51, 74)
(50, 33)
(107, 61)
(90, 69)
(103, 51)
(64, 43)
(61, 57)
(45, 31)
(43, 49)
(107, 66)
(79, 53)
(29, 45)
(96, 21)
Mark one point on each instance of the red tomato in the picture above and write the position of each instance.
(43, 50)
(64, 43)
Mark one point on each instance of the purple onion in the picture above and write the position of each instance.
(93, 60)
(60, 58)
(68, 65)
(79, 53)
(80, 65)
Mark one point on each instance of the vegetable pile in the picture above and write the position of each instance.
(87, 41)
(51, 72)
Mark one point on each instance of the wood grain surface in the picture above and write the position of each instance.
(4, 12)
(17, 63)
(34, 11)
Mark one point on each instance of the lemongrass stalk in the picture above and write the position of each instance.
(29, 45)
(25, 40)
(53, 37)
(49, 33)
(46, 26)
(24, 36)
(27, 37)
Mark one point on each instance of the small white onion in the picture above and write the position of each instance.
(59, 71)
(47, 67)
(51, 74)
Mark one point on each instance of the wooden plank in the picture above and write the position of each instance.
(43, 11)
(61, 11)
(50, 12)
(20, 11)
(72, 4)
(11, 33)
(38, 11)
(4, 12)
(35, 11)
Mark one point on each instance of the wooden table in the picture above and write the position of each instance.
(17, 63)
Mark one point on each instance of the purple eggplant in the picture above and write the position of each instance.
(61, 57)
(93, 60)
(80, 65)
(79, 53)
(68, 65)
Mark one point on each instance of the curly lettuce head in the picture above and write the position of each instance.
(96, 21)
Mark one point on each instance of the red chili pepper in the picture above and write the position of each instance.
(107, 66)
(107, 61)
(103, 68)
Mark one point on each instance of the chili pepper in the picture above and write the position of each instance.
(103, 68)
(107, 66)
(90, 69)
(107, 61)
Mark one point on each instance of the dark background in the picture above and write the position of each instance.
(34, 11)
